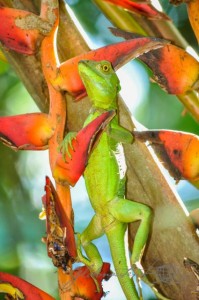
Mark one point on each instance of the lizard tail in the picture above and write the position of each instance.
(115, 237)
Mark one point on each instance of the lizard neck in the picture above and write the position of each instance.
(102, 106)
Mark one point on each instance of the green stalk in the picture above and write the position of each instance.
(191, 102)
(119, 17)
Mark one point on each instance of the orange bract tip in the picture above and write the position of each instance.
(169, 65)
(84, 286)
(183, 151)
(181, 148)
(15, 33)
(26, 132)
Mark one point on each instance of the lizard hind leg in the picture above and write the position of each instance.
(115, 235)
(127, 211)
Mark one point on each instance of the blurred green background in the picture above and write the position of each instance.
(22, 174)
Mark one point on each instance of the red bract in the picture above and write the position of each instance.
(83, 285)
(180, 150)
(118, 54)
(29, 291)
(60, 234)
(69, 169)
(169, 65)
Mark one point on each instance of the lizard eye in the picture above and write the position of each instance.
(105, 67)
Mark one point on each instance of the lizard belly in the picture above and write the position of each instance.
(105, 173)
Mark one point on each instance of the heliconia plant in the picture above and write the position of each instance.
(39, 128)
(39, 131)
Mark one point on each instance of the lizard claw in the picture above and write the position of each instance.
(93, 266)
(80, 256)
(66, 145)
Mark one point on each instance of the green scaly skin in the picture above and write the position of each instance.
(105, 183)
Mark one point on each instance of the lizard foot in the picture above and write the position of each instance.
(80, 256)
(93, 268)
(94, 265)
(66, 144)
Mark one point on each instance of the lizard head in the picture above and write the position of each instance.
(101, 83)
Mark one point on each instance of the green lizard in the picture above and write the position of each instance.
(105, 182)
